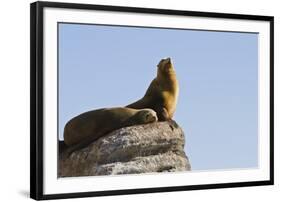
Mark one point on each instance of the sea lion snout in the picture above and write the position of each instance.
(150, 116)
(169, 63)
(164, 61)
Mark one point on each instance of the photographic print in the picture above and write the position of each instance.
(206, 80)
(146, 100)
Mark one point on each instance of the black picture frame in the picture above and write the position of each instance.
(37, 101)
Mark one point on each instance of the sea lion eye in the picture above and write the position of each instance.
(147, 116)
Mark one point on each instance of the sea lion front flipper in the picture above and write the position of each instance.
(162, 114)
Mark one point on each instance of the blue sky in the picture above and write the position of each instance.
(109, 66)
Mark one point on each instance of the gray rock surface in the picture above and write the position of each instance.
(155, 147)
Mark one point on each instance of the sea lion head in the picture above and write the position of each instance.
(147, 116)
(165, 66)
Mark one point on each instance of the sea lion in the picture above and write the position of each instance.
(162, 93)
(89, 126)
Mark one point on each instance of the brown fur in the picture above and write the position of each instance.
(162, 93)
(89, 126)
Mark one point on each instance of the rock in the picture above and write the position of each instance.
(155, 147)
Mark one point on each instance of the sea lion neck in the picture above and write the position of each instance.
(169, 78)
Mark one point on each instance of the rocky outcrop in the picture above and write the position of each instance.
(155, 147)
